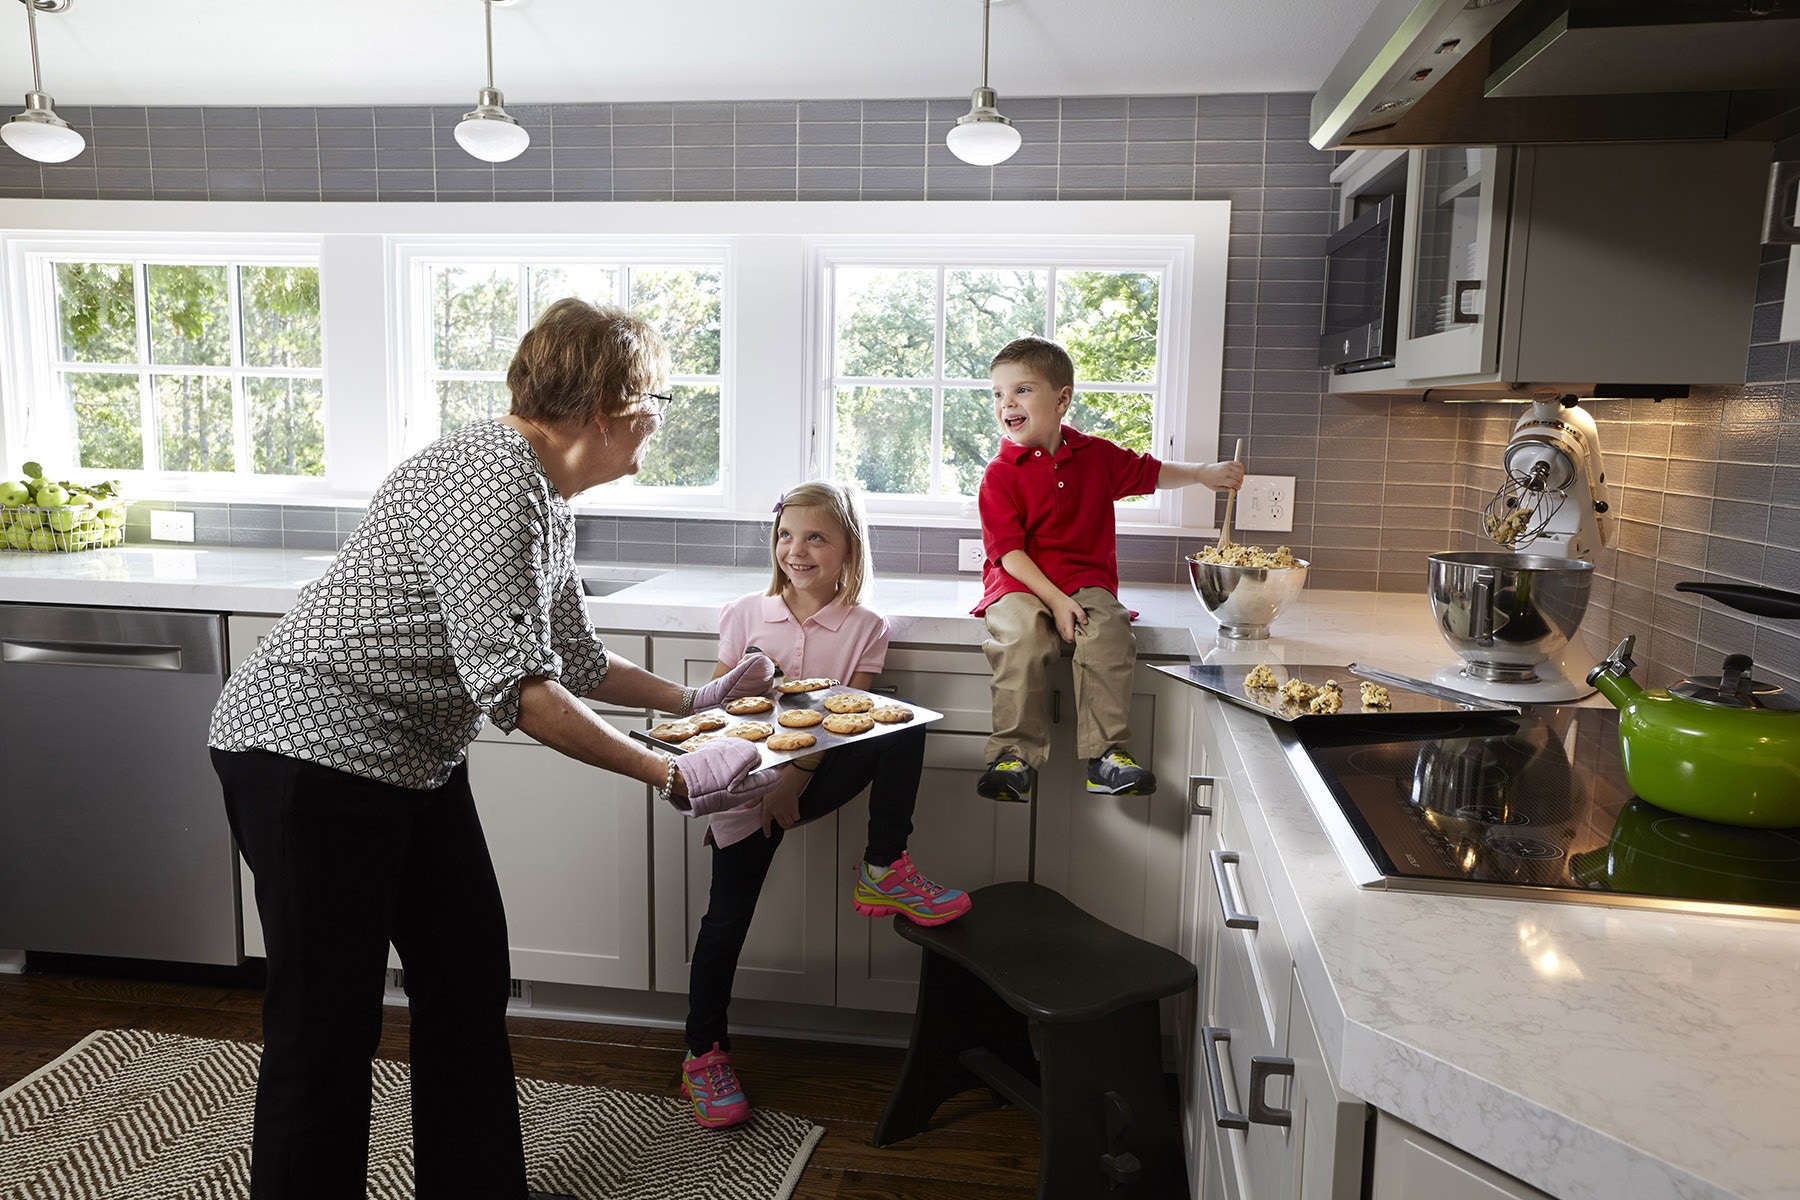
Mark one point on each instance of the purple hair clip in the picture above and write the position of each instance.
(779, 502)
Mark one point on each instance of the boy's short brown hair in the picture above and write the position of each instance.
(1041, 355)
(579, 361)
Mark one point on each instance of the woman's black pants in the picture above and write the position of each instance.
(890, 767)
(344, 866)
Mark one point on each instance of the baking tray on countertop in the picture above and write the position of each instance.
(794, 702)
(1226, 680)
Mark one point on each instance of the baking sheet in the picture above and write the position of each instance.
(1227, 680)
(789, 702)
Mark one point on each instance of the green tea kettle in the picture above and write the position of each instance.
(1723, 749)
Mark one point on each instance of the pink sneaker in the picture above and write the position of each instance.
(712, 1087)
(903, 890)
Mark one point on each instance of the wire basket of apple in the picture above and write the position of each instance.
(51, 516)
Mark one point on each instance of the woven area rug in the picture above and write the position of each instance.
(159, 1116)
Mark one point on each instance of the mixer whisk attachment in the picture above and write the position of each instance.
(1521, 509)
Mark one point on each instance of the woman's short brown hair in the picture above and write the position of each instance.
(579, 361)
(1042, 355)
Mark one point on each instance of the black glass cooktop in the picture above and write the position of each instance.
(1538, 805)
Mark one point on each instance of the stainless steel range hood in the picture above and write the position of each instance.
(1504, 72)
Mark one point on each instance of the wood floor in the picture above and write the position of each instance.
(974, 1151)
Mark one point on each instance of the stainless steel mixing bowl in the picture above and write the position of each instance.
(1506, 613)
(1243, 600)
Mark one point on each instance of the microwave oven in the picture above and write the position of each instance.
(1362, 291)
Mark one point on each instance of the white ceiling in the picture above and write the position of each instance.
(273, 52)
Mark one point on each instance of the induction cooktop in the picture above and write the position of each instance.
(1532, 806)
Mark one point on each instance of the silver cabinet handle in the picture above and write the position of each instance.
(1223, 1114)
(1264, 1067)
(886, 689)
(1197, 784)
(1779, 225)
(92, 654)
(1233, 918)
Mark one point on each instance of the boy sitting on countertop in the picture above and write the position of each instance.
(1052, 573)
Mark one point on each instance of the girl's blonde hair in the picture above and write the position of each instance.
(842, 504)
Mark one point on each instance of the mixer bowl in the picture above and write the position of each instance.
(1506, 613)
(1243, 600)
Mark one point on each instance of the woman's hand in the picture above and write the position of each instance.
(718, 776)
(751, 677)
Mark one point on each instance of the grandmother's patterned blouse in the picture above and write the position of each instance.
(458, 584)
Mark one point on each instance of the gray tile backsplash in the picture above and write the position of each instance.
(1706, 487)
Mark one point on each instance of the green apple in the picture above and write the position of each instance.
(33, 517)
(64, 519)
(43, 539)
(53, 495)
(18, 537)
(13, 493)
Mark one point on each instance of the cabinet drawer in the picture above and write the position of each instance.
(953, 683)
(1263, 947)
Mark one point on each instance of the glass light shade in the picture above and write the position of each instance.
(39, 134)
(983, 140)
(488, 133)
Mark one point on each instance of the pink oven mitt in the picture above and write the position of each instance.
(751, 677)
(721, 775)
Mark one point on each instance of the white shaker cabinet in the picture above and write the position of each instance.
(1410, 1164)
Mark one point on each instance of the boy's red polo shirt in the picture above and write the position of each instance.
(1059, 510)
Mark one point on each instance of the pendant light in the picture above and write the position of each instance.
(981, 136)
(488, 133)
(38, 133)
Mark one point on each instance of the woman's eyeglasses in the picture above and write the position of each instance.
(658, 403)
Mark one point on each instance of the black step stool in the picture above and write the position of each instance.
(1056, 1011)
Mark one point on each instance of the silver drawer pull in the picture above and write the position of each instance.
(1264, 1067)
(886, 689)
(1233, 918)
(1197, 784)
(1223, 1114)
(92, 654)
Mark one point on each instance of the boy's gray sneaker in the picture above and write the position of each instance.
(1116, 774)
(1007, 778)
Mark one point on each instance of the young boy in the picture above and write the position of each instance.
(1052, 573)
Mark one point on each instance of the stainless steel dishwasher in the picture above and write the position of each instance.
(113, 838)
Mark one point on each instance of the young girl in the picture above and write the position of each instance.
(811, 622)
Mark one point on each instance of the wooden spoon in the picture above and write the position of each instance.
(1237, 455)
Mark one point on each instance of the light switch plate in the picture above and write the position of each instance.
(969, 554)
(167, 526)
(1266, 503)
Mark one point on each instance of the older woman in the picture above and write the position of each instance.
(340, 743)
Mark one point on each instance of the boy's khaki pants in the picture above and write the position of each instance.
(1023, 642)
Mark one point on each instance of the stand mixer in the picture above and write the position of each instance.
(1513, 617)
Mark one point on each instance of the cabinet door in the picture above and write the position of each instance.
(1118, 857)
(1455, 242)
(571, 848)
(958, 839)
(791, 953)
(1196, 942)
(1410, 1164)
(1327, 1122)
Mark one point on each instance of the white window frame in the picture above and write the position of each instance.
(414, 258)
(33, 343)
(1169, 258)
(770, 352)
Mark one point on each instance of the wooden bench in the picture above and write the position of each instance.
(1056, 1011)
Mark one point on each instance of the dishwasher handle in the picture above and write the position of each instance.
(91, 654)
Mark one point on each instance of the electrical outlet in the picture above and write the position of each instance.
(969, 554)
(1266, 503)
(166, 526)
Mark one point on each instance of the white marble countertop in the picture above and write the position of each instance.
(1594, 1052)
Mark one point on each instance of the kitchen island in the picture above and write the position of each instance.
(1590, 1051)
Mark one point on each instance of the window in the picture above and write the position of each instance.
(473, 312)
(189, 366)
(909, 330)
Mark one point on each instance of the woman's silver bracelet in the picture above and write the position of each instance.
(668, 786)
(687, 702)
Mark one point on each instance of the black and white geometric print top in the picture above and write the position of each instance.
(459, 583)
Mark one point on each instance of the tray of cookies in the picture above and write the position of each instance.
(799, 717)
